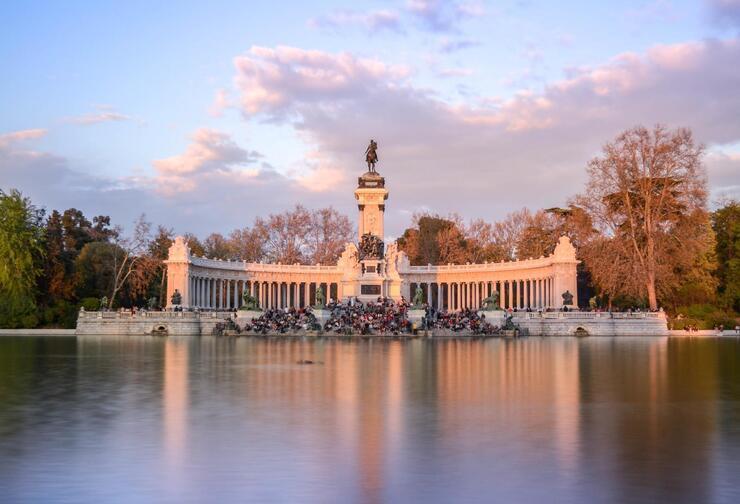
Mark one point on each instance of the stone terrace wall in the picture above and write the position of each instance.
(594, 323)
(124, 323)
(536, 324)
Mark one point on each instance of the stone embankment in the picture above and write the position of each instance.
(530, 323)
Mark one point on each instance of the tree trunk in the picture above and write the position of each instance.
(162, 292)
(652, 298)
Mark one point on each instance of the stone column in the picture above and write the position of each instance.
(216, 301)
(520, 294)
(195, 292)
(439, 296)
(539, 293)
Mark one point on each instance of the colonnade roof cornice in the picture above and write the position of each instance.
(261, 267)
(542, 262)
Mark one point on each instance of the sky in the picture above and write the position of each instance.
(204, 115)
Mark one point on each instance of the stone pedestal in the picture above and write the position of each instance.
(322, 316)
(245, 316)
(415, 317)
(494, 317)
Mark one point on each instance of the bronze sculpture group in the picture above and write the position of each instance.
(371, 247)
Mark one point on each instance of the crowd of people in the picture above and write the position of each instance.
(384, 316)
(281, 321)
(464, 320)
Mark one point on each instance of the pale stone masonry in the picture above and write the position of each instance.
(217, 284)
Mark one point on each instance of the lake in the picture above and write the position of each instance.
(146, 419)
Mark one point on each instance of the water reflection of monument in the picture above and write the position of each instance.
(370, 268)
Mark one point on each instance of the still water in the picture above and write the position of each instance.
(139, 419)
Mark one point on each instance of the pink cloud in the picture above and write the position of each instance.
(209, 151)
(6, 139)
(468, 157)
(271, 79)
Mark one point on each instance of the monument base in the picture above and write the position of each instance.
(415, 317)
(322, 316)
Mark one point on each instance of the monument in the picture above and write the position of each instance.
(533, 291)
(369, 268)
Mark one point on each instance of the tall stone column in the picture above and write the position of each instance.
(540, 301)
(200, 292)
(220, 293)
(194, 291)
(227, 300)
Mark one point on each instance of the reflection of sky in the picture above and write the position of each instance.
(225, 420)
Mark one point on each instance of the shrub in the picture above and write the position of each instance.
(703, 316)
(90, 304)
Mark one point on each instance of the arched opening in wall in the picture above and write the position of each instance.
(160, 330)
(580, 332)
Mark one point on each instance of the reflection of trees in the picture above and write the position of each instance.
(32, 371)
(648, 421)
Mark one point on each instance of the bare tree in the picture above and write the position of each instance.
(329, 232)
(506, 233)
(452, 247)
(248, 244)
(132, 265)
(640, 191)
(218, 247)
(285, 235)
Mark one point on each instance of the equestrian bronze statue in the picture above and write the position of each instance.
(371, 156)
